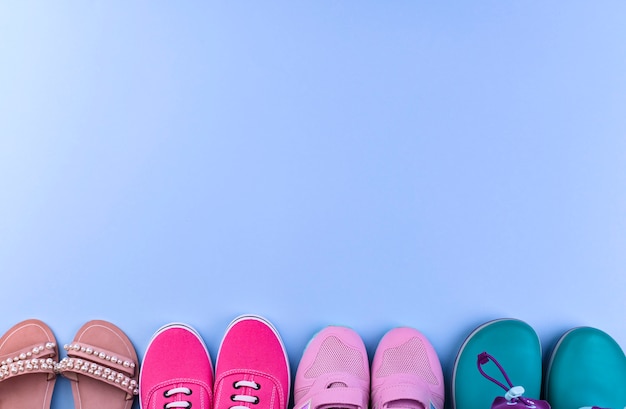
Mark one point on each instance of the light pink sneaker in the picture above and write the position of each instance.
(333, 371)
(252, 370)
(406, 372)
(176, 371)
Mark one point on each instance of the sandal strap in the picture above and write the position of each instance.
(37, 358)
(69, 367)
(40, 350)
(113, 360)
(100, 364)
(28, 366)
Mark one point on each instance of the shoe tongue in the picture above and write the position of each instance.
(337, 385)
(404, 404)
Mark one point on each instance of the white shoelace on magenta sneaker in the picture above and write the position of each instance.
(245, 398)
(178, 403)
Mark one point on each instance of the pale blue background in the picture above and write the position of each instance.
(371, 164)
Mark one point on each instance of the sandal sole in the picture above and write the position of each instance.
(90, 393)
(34, 390)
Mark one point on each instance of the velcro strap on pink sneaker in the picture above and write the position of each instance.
(340, 397)
(405, 391)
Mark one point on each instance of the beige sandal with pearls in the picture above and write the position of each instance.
(102, 364)
(29, 353)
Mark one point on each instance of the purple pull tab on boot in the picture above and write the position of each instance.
(513, 397)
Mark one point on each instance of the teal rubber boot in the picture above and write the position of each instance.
(587, 368)
(515, 345)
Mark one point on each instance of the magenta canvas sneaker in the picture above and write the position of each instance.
(252, 370)
(176, 371)
(406, 372)
(333, 371)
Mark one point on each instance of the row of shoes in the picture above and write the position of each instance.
(499, 365)
(252, 370)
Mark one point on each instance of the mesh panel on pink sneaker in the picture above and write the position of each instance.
(335, 356)
(410, 357)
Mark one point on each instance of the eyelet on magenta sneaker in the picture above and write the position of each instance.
(333, 371)
(406, 372)
(252, 370)
(176, 371)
